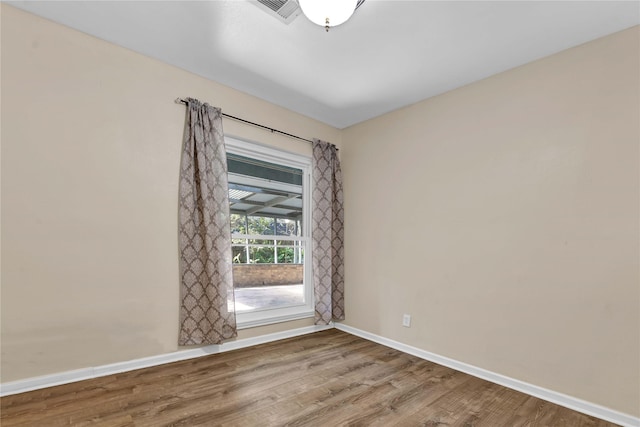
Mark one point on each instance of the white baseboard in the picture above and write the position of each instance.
(530, 389)
(35, 383)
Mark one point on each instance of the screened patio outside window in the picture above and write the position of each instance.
(270, 236)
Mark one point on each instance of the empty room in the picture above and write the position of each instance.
(320, 213)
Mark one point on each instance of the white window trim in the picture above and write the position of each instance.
(274, 155)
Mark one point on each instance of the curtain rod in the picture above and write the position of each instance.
(182, 101)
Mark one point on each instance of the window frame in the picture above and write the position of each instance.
(265, 153)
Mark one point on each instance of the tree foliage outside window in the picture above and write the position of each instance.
(263, 251)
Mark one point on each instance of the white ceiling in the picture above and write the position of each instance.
(390, 54)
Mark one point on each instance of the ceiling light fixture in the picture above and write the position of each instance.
(329, 13)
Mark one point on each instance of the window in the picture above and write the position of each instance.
(270, 229)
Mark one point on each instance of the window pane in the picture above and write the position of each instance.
(256, 298)
(267, 203)
(261, 255)
(260, 286)
(265, 170)
(285, 255)
(238, 224)
(239, 254)
(261, 242)
(288, 227)
(261, 225)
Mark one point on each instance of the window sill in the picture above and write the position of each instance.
(263, 318)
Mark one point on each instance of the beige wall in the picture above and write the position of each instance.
(90, 158)
(503, 216)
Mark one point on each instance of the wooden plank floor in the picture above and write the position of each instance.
(328, 378)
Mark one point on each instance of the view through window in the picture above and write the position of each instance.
(269, 238)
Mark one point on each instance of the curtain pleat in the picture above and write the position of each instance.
(328, 234)
(207, 314)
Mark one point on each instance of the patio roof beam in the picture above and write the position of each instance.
(271, 203)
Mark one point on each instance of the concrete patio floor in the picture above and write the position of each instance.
(262, 297)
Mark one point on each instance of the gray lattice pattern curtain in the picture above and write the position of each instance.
(328, 234)
(206, 290)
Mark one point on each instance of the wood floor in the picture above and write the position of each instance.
(329, 378)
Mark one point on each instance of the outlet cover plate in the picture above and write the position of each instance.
(406, 320)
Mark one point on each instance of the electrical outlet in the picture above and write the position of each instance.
(406, 320)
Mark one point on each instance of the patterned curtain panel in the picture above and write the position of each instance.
(328, 234)
(207, 313)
